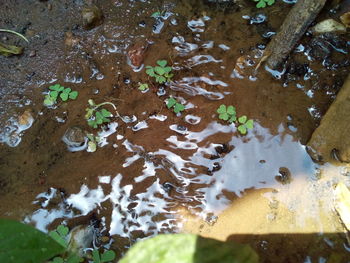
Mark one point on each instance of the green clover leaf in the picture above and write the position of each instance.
(250, 124)
(242, 129)
(73, 95)
(162, 63)
(242, 119)
(221, 109)
(171, 102)
(178, 107)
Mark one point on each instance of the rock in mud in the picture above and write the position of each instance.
(345, 19)
(92, 17)
(80, 238)
(328, 25)
(330, 141)
(136, 54)
(74, 138)
(71, 40)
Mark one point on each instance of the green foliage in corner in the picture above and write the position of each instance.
(22, 243)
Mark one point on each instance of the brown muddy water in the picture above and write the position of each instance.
(158, 172)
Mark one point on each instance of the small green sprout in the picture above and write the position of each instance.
(96, 117)
(245, 124)
(177, 107)
(70, 258)
(107, 256)
(227, 113)
(264, 3)
(158, 14)
(58, 91)
(143, 86)
(60, 235)
(161, 72)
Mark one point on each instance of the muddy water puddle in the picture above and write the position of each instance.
(155, 171)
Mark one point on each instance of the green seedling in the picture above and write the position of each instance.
(161, 72)
(58, 91)
(227, 113)
(245, 124)
(143, 86)
(107, 256)
(60, 235)
(93, 141)
(177, 107)
(264, 3)
(158, 14)
(8, 50)
(96, 116)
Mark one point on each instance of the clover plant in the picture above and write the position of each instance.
(96, 116)
(177, 107)
(245, 124)
(107, 256)
(59, 91)
(161, 72)
(227, 113)
(143, 86)
(264, 3)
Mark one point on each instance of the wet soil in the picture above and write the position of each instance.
(157, 164)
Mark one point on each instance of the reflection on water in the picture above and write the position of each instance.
(191, 160)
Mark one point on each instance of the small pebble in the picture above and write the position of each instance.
(32, 53)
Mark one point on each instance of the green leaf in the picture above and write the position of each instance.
(143, 86)
(64, 96)
(159, 70)
(73, 95)
(62, 230)
(242, 119)
(261, 4)
(178, 107)
(53, 94)
(8, 50)
(73, 258)
(162, 63)
(224, 116)
(96, 256)
(23, 243)
(167, 69)
(250, 124)
(150, 71)
(99, 118)
(49, 101)
(171, 102)
(161, 79)
(188, 248)
(242, 129)
(156, 14)
(221, 109)
(105, 113)
(57, 260)
(270, 2)
(67, 90)
(108, 256)
(231, 110)
(56, 87)
(92, 146)
(58, 238)
(233, 118)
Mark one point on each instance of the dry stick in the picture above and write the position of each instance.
(294, 26)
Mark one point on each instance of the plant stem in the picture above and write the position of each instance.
(14, 32)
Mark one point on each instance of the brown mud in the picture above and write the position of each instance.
(160, 170)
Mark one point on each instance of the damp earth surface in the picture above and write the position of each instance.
(156, 171)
